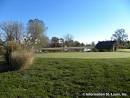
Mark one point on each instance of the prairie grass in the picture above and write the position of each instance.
(21, 59)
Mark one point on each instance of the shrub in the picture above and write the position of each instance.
(10, 47)
(105, 50)
(95, 50)
(17, 56)
(21, 59)
(2, 50)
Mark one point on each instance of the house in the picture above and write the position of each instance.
(106, 46)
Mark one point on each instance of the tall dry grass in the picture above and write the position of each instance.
(21, 59)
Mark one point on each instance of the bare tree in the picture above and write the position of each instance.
(120, 36)
(12, 31)
(68, 39)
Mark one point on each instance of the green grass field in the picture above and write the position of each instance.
(123, 50)
(85, 55)
(66, 76)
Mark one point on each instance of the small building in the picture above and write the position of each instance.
(106, 46)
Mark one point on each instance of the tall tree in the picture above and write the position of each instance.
(120, 36)
(36, 33)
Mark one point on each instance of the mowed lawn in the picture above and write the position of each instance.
(58, 77)
(86, 55)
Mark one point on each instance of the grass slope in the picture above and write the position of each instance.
(66, 78)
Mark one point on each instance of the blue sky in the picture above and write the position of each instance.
(86, 20)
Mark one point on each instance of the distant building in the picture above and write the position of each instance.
(106, 46)
(62, 49)
(88, 48)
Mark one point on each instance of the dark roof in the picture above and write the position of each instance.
(105, 44)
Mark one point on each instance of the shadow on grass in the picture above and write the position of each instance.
(4, 67)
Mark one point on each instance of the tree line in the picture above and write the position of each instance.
(33, 35)
(66, 41)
